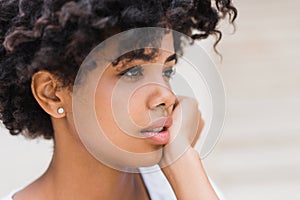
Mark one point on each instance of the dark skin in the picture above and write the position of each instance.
(75, 174)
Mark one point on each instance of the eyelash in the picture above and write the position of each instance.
(169, 72)
(133, 73)
(136, 72)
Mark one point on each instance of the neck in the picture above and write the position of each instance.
(77, 176)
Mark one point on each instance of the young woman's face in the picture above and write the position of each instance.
(133, 104)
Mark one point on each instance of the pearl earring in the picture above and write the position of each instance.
(60, 110)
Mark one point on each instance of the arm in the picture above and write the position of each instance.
(181, 163)
(188, 178)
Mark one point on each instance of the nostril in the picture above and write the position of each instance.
(166, 109)
(161, 109)
(171, 108)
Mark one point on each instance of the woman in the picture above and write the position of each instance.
(45, 83)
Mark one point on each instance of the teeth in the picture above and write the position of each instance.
(156, 129)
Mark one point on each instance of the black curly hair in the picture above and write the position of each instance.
(46, 35)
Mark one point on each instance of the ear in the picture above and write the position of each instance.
(48, 94)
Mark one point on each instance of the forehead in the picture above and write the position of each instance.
(162, 52)
(122, 49)
(167, 43)
(161, 41)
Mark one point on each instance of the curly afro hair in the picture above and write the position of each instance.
(45, 35)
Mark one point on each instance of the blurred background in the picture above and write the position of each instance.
(258, 155)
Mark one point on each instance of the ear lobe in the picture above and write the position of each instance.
(44, 87)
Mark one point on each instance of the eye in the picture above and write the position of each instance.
(169, 72)
(133, 73)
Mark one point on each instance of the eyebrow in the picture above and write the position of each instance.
(172, 57)
(169, 59)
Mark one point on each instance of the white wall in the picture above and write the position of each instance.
(21, 160)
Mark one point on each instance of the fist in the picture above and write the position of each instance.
(185, 130)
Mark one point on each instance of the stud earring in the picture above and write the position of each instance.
(60, 110)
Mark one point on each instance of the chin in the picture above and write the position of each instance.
(132, 162)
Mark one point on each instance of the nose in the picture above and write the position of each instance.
(162, 100)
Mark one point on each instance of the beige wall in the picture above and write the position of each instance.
(258, 156)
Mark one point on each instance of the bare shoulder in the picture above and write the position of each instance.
(33, 191)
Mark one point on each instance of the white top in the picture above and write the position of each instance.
(156, 183)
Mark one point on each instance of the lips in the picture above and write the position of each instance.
(159, 125)
(158, 132)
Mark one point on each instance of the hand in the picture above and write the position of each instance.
(181, 163)
(185, 131)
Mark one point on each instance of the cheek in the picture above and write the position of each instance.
(119, 108)
(103, 98)
(120, 105)
(138, 110)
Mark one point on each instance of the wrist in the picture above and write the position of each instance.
(188, 178)
(188, 160)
